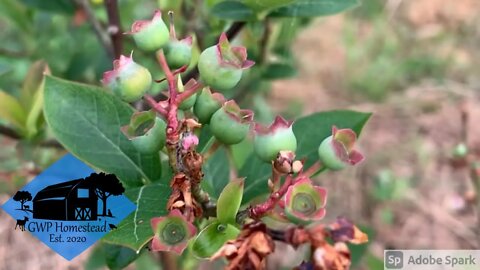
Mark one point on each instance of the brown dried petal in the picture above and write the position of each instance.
(329, 257)
(345, 231)
(262, 244)
(249, 250)
(297, 236)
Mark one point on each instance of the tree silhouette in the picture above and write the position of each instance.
(105, 185)
(22, 197)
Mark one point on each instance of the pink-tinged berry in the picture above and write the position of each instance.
(146, 132)
(178, 52)
(207, 104)
(337, 151)
(128, 80)
(230, 124)
(269, 141)
(304, 202)
(171, 233)
(221, 66)
(150, 35)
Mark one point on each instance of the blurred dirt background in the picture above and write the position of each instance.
(413, 63)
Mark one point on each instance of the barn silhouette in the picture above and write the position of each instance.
(72, 200)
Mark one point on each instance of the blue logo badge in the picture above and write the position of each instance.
(69, 207)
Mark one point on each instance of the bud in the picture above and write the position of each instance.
(336, 151)
(207, 104)
(189, 141)
(304, 202)
(269, 141)
(230, 124)
(285, 161)
(150, 35)
(128, 80)
(146, 132)
(221, 66)
(178, 52)
(171, 233)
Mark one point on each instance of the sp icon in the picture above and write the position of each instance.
(393, 259)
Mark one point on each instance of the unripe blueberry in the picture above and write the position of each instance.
(269, 141)
(150, 35)
(178, 52)
(172, 232)
(304, 202)
(336, 151)
(207, 104)
(221, 66)
(230, 124)
(146, 132)
(128, 80)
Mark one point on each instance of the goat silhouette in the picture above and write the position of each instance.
(21, 223)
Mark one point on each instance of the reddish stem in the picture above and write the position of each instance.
(172, 120)
(260, 210)
(317, 166)
(155, 106)
(189, 92)
(175, 72)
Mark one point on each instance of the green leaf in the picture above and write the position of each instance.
(229, 201)
(113, 256)
(32, 82)
(135, 231)
(11, 111)
(216, 173)
(61, 6)
(212, 238)
(119, 257)
(313, 8)
(279, 71)
(16, 13)
(264, 5)
(87, 121)
(240, 152)
(205, 138)
(232, 10)
(256, 173)
(32, 96)
(310, 132)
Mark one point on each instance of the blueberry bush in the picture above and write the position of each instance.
(209, 180)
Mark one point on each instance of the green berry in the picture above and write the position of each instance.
(270, 141)
(128, 80)
(146, 132)
(219, 77)
(178, 53)
(328, 156)
(229, 124)
(207, 104)
(150, 35)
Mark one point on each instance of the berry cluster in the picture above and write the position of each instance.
(294, 197)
